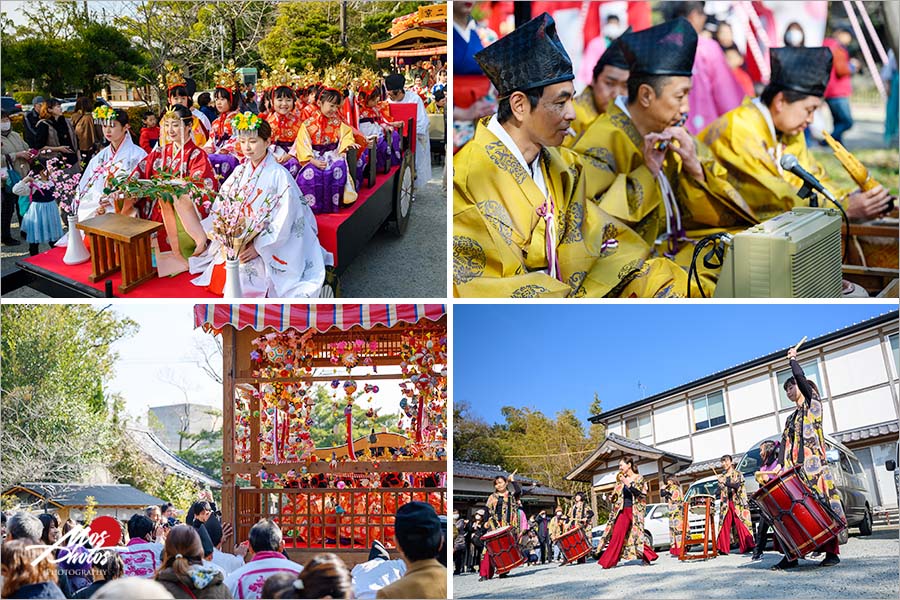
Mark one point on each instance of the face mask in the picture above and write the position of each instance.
(4, 127)
(612, 31)
(793, 37)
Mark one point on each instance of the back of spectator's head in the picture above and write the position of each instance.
(277, 584)
(204, 99)
(140, 526)
(134, 588)
(21, 567)
(418, 531)
(265, 536)
(108, 563)
(325, 576)
(214, 529)
(182, 549)
(24, 526)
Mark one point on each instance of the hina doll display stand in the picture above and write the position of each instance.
(323, 514)
(120, 243)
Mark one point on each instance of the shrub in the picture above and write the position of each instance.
(24, 98)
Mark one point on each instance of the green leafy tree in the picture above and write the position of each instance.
(325, 417)
(55, 360)
(103, 51)
(473, 439)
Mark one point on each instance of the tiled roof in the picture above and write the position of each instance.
(65, 494)
(156, 451)
(532, 487)
(584, 471)
(864, 433)
(706, 465)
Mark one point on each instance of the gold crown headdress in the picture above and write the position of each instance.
(367, 81)
(338, 77)
(262, 82)
(310, 76)
(228, 77)
(174, 76)
(281, 75)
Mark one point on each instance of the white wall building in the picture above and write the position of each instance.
(857, 369)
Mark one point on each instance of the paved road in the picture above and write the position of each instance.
(412, 266)
(868, 569)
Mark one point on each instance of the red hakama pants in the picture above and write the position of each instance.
(745, 539)
(613, 551)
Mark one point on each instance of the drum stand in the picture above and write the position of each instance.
(708, 538)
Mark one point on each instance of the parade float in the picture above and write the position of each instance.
(290, 369)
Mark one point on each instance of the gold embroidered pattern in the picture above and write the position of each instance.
(469, 259)
(505, 161)
(497, 215)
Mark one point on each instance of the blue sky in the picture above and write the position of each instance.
(550, 357)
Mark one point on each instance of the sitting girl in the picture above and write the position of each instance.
(282, 117)
(178, 94)
(183, 161)
(321, 147)
(41, 222)
(375, 121)
(222, 147)
(285, 259)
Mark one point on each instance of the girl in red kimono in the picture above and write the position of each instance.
(625, 529)
(222, 147)
(285, 123)
(181, 158)
(375, 121)
(734, 510)
(321, 147)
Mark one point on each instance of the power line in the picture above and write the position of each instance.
(542, 455)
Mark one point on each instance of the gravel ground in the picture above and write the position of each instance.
(868, 569)
(412, 266)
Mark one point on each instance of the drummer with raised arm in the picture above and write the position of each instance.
(503, 511)
(803, 432)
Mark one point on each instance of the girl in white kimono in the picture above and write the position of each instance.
(118, 159)
(285, 260)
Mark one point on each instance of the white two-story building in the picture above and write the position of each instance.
(687, 429)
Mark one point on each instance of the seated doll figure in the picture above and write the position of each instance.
(375, 121)
(181, 161)
(222, 147)
(321, 147)
(283, 260)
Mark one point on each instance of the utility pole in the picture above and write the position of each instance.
(344, 23)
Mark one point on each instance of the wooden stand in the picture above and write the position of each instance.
(708, 537)
(120, 242)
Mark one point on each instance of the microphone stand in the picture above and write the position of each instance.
(807, 191)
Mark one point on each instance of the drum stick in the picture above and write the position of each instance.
(800, 343)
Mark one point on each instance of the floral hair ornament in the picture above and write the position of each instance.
(105, 114)
(246, 123)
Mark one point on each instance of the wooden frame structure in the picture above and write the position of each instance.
(306, 514)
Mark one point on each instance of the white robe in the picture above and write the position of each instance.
(423, 140)
(372, 575)
(291, 262)
(106, 162)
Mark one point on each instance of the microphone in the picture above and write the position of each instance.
(789, 163)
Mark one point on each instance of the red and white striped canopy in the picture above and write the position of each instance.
(320, 317)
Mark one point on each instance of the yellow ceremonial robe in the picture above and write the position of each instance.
(619, 180)
(742, 142)
(499, 239)
(585, 113)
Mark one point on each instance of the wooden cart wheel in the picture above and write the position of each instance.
(404, 194)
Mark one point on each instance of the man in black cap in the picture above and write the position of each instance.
(644, 168)
(397, 94)
(608, 82)
(420, 537)
(750, 140)
(521, 226)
